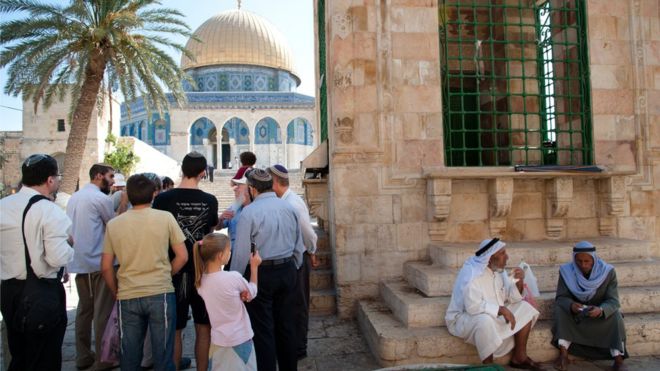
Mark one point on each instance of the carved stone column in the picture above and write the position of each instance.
(438, 204)
(501, 196)
(316, 195)
(613, 194)
(559, 198)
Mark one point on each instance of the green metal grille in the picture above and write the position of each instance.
(515, 82)
(323, 88)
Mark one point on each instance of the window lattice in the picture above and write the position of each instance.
(515, 82)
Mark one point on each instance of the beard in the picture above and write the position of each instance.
(105, 186)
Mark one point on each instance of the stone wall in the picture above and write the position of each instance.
(390, 193)
(384, 110)
(10, 171)
(40, 134)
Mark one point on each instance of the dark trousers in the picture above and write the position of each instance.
(272, 314)
(302, 304)
(28, 351)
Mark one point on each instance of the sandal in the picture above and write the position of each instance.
(529, 364)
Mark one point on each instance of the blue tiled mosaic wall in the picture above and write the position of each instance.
(157, 133)
(267, 131)
(237, 130)
(299, 131)
(245, 78)
(200, 130)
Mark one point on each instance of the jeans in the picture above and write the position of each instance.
(158, 312)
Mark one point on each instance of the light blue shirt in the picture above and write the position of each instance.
(272, 224)
(231, 226)
(89, 210)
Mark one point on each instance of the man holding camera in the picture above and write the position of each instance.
(587, 319)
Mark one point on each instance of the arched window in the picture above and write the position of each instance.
(237, 130)
(299, 131)
(199, 131)
(267, 131)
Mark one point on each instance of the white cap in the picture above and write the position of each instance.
(243, 180)
(119, 180)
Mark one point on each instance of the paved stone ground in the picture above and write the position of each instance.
(334, 344)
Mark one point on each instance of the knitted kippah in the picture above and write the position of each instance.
(259, 175)
(279, 171)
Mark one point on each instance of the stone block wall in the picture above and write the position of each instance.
(10, 171)
(390, 194)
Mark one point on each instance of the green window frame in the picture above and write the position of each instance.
(515, 82)
(323, 88)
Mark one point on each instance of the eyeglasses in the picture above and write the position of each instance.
(35, 159)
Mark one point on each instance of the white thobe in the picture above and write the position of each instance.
(477, 321)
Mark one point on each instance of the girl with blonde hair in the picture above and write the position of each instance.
(231, 333)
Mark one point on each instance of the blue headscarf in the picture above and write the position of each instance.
(582, 287)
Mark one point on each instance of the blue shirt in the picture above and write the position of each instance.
(272, 224)
(89, 210)
(231, 225)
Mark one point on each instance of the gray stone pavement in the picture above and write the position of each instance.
(334, 344)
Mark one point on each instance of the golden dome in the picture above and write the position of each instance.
(238, 37)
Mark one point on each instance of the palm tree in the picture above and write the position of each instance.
(54, 50)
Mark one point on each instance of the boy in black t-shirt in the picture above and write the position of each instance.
(196, 212)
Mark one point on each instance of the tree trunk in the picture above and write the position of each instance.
(82, 116)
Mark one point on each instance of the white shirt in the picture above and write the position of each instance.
(89, 210)
(46, 227)
(230, 323)
(309, 236)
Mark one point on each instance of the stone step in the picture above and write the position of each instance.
(435, 280)
(544, 252)
(323, 242)
(394, 344)
(414, 309)
(323, 302)
(325, 259)
(321, 279)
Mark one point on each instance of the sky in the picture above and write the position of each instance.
(294, 19)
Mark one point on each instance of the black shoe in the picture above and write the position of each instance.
(185, 363)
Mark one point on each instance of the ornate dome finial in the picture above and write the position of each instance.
(239, 4)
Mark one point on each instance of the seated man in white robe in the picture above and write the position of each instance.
(487, 309)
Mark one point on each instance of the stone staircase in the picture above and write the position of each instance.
(406, 325)
(322, 296)
(223, 192)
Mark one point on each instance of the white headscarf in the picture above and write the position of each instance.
(473, 268)
(582, 287)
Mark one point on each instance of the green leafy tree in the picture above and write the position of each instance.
(121, 158)
(54, 50)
